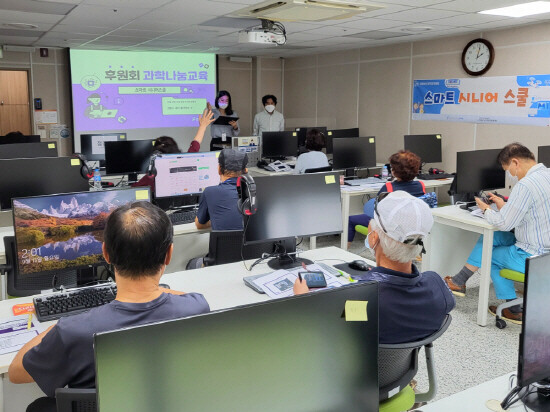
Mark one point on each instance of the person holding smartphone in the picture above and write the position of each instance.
(222, 133)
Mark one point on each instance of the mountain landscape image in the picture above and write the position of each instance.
(63, 231)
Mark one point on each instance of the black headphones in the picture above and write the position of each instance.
(85, 171)
(246, 188)
(151, 169)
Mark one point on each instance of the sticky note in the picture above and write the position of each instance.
(330, 179)
(51, 145)
(75, 162)
(153, 142)
(356, 311)
(330, 133)
(218, 154)
(142, 195)
(438, 136)
(294, 134)
(371, 140)
(122, 137)
(23, 309)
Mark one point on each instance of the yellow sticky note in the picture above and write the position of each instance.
(356, 311)
(294, 134)
(153, 142)
(371, 140)
(438, 136)
(330, 179)
(75, 162)
(122, 137)
(51, 145)
(142, 195)
(330, 133)
(218, 154)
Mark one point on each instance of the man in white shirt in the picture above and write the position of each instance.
(527, 211)
(269, 119)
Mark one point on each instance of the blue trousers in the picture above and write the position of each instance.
(362, 220)
(505, 256)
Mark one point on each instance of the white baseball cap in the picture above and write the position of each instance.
(403, 217)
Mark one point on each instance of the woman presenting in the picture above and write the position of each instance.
(222, 133)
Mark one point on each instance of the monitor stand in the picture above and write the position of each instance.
(539, 400)
(286, 261)
(350, 174)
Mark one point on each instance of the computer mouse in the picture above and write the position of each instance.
(359, 265)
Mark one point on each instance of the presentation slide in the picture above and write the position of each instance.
(141, 91)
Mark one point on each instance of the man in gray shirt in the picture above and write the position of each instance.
(138, 243)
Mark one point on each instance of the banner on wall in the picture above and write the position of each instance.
(521, 100)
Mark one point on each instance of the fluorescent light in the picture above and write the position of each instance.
(521, 10)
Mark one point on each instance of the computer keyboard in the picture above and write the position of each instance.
(71, 302)
(183, 217)
(425, 176)
(366, 181)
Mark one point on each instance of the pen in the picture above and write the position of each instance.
(300, 277)
(346, 277)
(29, 322)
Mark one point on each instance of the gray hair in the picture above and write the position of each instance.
(394, 250)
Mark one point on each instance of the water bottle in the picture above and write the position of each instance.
(97, 179)
(385, 172)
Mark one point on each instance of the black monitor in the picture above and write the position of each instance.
(478, 170)
(185, 174)
(279, 145)
(544, 155)
(425, 146)
(291, 354)
(28, 150)
(39, 176)
(32, 138)
(92, 146)
(294, 206)
(534, 342)
(353, 152)
(129, 157)
(65, 231)
(302, 133)
(338, 133)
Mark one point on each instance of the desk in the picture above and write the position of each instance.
(347, 199)
(474, 399)
(449, 244)
(256, 171)
(222, 286)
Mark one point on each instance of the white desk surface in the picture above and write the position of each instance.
(475, 398)
(222, 286)
(353, 191)
(456, 214)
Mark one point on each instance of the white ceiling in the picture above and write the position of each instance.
(200, 25)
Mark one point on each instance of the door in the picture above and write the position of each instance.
(14, 102)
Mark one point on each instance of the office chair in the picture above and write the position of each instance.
(319, 169)
(516, 277)
(397, 366)
(76, 400)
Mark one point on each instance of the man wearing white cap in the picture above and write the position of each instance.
(413, 305)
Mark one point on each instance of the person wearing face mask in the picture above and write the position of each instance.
(269, 119)
(527, 211)
(413, 304)
(222, 134)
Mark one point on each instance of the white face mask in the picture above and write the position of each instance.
(223, 105)
(512, 179)
(367, 244)
(269, 108)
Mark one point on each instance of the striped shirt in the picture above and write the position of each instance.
(527, 211)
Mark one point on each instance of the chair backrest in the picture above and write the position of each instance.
(398, 363)
(76, 400)
(319, 169)
(226, 246)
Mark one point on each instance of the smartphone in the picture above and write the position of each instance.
(314, 279)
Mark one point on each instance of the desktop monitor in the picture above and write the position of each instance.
(338, 133)
(28, 150)
(39, 176)
(294, 206)
(425, 146)
(478, 170)
(544, 155)
(276, 145)
(302, 133)
(128, 157)
(354, 152)
(92, 146)
(33, 138)
(291, 354)
(65, 231)
(185, 173)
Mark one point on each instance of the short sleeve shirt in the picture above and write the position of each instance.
(218, 205)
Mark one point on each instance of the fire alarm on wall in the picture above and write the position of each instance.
(43, 52)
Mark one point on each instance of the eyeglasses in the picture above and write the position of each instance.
(379, 198)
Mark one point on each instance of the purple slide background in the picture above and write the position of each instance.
(140, 111)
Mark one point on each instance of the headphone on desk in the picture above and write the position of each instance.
(246, 188)
(85, 171)
(151, 169)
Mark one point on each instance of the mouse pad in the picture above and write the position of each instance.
(353, 272)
